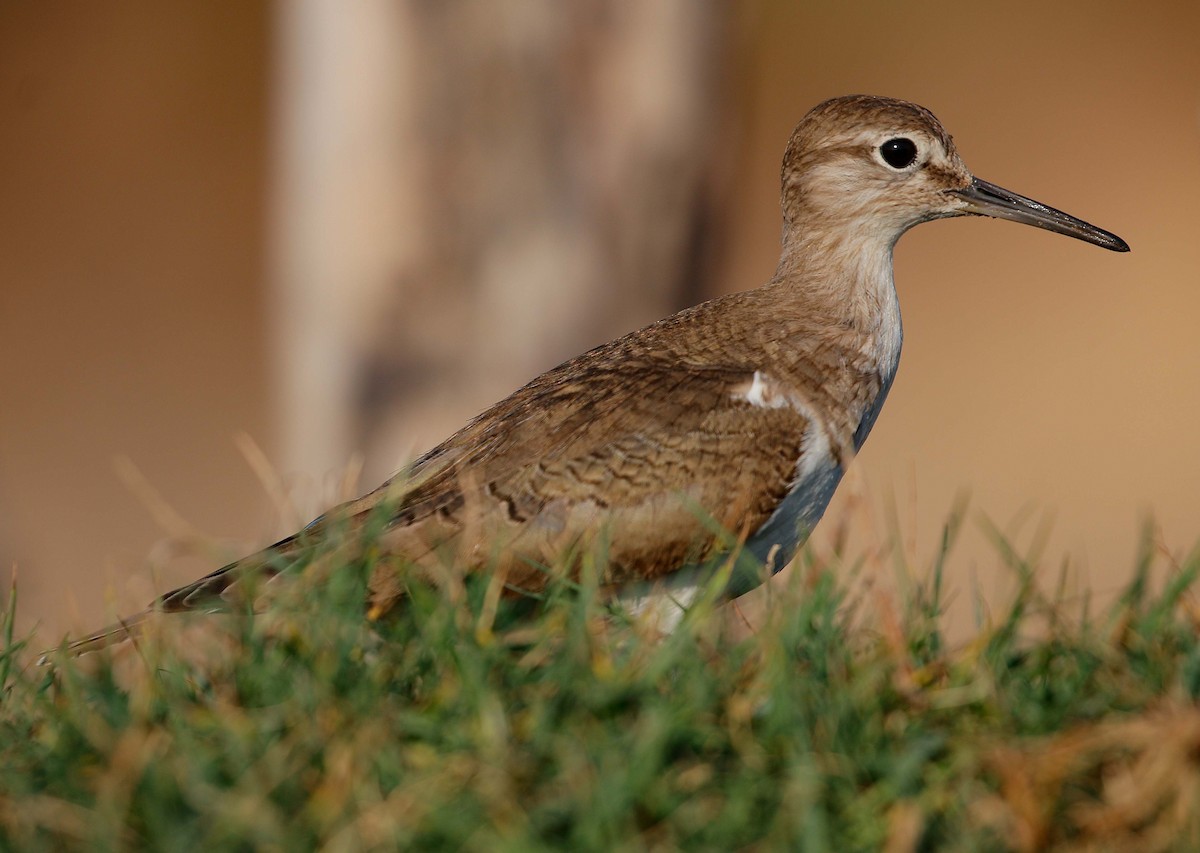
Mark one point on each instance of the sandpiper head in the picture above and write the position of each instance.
(879, 166)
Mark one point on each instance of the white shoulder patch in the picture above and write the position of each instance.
(763, 391)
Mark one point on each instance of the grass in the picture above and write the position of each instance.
(833, 727)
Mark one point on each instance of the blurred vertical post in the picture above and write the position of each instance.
(337, 234)
(469, 192)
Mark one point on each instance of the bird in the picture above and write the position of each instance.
(714, 437)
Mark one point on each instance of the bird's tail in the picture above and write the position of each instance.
(218, 590)
(211, 593)
(118, 632)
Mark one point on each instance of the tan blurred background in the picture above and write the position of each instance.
(344, 233)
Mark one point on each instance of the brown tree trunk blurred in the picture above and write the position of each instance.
(536, 178)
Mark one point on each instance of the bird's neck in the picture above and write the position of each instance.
(837, 290)
(843, 277)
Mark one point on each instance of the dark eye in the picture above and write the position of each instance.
(898, 153)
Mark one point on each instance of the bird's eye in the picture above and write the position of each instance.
(898, 153)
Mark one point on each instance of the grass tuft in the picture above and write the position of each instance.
(477, 723)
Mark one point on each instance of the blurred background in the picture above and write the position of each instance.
(250, 251)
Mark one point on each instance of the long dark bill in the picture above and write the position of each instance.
(987, 199)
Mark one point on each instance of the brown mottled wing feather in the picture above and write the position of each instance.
(648, 450)
(652, 461)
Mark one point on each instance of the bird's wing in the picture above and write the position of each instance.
(659, 455)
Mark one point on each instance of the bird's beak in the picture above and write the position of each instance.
(986, 199)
